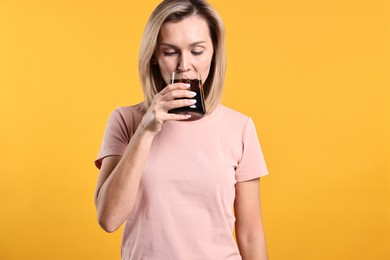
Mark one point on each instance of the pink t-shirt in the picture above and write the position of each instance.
(184, 206)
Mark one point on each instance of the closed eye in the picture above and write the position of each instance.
(169, 53)
(197, 53)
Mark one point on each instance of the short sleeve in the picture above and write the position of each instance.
(252, 164)
(115, 139)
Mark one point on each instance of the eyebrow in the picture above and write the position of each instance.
(173, 46)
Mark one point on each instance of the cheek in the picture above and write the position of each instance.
(205, 68)
(165, 70)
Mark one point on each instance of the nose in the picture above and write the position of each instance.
(183, 64)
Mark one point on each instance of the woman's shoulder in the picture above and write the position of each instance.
(128, 117)
(134, 111)
(232, 123)
(233, 115)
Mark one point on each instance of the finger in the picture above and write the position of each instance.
(172, 117)
(174, 86)
(178, 94)
(178, 103)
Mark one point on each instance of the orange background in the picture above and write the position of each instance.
(314, 76)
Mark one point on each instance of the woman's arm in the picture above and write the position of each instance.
(119, 176)
(118, 182)
(249, 227)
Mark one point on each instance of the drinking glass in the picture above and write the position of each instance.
(192, 77)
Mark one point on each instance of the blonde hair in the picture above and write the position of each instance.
(175, 11)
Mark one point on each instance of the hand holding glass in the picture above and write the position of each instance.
(193, 78)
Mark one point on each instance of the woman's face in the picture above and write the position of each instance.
(183, 46)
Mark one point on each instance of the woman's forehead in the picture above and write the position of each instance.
(191, 29)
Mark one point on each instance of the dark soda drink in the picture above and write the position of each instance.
(196, 110)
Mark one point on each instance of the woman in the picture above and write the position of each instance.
(175, 182)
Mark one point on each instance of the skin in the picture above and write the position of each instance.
(183, 45)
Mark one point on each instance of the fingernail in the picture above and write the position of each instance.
(192, 93)
(192, 101)
(187, 85)
(188, 115)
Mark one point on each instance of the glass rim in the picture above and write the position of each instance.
(182, 73)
